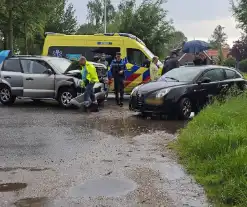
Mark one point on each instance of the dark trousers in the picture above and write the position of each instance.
(119, 89)
(89, 95)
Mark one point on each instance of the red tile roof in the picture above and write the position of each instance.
(214, 53)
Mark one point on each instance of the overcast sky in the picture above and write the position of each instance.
(195, 18)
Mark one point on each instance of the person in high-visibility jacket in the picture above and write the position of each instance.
(89, 78)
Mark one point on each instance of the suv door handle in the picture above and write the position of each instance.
(225, 85)
(29, 79)
(7, 77)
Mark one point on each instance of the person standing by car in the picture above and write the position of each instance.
(89, 78)
(171, 63)
(154, 69)
(117, 69)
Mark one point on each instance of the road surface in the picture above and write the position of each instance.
(58, 158)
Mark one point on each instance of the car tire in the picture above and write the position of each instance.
(6, 97)
(184, 108)
(65, 95)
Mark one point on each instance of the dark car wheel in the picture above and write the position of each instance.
(6, 97)
(184, 108)
(65, 96)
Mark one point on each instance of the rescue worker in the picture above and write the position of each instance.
(89, 78)
(154, 69)
(117, 69)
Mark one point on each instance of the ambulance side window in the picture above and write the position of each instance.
(136, 57)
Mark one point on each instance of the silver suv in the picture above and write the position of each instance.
(41, 77)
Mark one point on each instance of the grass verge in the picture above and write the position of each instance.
(213, 148)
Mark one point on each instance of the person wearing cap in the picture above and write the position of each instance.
(171, 63)
(117, 69)
(89, 78)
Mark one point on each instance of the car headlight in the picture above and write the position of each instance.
(135, 89)
(162, 93)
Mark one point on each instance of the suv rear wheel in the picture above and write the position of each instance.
(65, 96)
(6, 97)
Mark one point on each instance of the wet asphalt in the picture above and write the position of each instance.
(52, 157)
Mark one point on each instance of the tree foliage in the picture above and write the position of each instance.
(23, 22)
(239, 9)
(239, 48)
(147, 21)
(229, 62)
(218, 38)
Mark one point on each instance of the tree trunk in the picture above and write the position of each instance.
(5, 40)
(10, 25)
(26, 39)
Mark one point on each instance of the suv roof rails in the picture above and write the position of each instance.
(26, 56)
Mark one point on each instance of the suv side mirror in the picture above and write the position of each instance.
(49, 72)
(204, 80)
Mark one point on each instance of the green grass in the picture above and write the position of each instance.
(213, 148)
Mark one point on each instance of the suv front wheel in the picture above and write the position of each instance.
(65, 96)
(6, 97)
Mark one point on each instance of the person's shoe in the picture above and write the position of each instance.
(121, 104)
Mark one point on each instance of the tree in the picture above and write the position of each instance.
(62, 19)
(239, 49)
(218, 38)
(148, 22)
(230, 62)
(176, 42)
(239, 9)
(96, 12)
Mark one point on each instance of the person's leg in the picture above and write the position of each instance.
(121, 90)
(116, 87)
(87, 96)
(92, 95)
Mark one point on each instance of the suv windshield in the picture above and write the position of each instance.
(183, 74)
(60, 64)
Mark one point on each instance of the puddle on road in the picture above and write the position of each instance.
(134, 125)
(171, 171)
(6, 187)
(108, 187)
(32, 202)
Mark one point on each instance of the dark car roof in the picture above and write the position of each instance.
(206, 67)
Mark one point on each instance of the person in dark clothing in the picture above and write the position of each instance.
(200, 60)
(171, 63)
(117, 69)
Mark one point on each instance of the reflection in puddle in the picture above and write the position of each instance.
(134, 125)
(5, 187)
(32, 202)
(109, 187)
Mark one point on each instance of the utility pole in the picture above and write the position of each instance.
(105, 17)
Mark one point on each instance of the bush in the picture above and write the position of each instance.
(243, 66)
(213, 147)
(230, 62)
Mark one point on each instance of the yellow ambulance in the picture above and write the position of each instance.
(134, 52)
